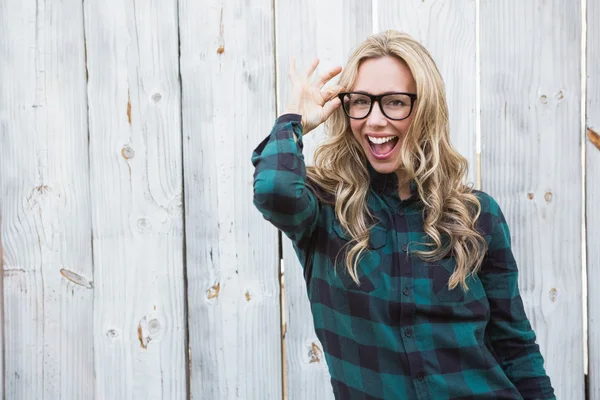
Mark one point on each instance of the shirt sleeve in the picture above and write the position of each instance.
(280, 190)
(509, 331)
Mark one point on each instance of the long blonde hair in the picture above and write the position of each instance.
(450, 207)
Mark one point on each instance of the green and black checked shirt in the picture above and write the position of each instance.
(401, 334)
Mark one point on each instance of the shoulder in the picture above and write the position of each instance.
(323, 195)
(490, 214)
(487, 202)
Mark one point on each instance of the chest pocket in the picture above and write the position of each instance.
(369, 265)
(440, 273)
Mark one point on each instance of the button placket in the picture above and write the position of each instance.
(408, 335)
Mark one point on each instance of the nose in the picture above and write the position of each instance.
(376, 119)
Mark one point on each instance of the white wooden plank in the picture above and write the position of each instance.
(593, 195)
(45, 203)
(227, 70)
(447, 30)
(136, 187)
(318, 34)
(2, 354)
(530, 99)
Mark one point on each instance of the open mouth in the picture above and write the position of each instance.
(382, 147)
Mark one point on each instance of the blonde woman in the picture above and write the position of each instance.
(410, 275)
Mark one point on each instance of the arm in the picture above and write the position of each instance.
(280, 191)
(509, 330)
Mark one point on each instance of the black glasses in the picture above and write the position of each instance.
(396, 106)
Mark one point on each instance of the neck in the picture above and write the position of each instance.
(403, 185)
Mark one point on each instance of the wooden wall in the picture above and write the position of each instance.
(591, 141)
(134, 263)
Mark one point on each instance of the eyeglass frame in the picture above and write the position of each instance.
(377, 99)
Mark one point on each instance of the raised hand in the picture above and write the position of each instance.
(311, 100)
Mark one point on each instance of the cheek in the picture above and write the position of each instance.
(402, 126)
(407, 122)
(356, 127)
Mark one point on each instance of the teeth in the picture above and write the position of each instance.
(380, 140)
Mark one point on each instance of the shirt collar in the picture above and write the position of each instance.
(388, 183)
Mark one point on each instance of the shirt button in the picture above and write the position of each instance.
(405, 291)
(420, 376)
(408, 332)
(400, 212)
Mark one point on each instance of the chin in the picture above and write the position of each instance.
(384, 167)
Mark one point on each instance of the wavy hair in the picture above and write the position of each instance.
(451, 209)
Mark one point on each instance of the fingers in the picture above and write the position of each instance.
(312, 68)
(326, 77)
(323, 79)
(330, 107)
(330, 92)
(292, 73)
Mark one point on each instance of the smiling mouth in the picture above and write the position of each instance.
(382, 147)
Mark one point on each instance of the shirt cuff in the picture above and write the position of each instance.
(289, 118)
(296, 121)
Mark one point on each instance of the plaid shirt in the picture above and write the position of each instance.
(401, 334)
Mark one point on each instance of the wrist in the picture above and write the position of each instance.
(291, 110)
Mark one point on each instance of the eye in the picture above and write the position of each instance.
(360, 101)
(395, 103)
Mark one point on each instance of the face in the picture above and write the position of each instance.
(377, 76)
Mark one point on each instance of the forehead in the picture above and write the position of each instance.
(384, 74)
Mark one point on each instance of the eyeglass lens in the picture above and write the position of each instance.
(396, 106)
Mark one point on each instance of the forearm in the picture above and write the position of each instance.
(280, 191)
(514, 342)
(509, 330)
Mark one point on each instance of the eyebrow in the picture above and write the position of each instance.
(380, 94)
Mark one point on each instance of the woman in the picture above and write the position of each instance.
(409, 272)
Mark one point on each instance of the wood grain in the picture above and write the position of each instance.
(44, 202)
(227, 70)
(136, 188)
(2, 350)
(531, 164)
(592, 201)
